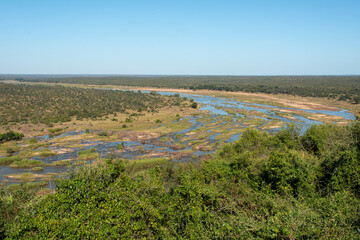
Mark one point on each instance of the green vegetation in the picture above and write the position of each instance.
(102, 134)
(38, 145)
(27, 163)
(46, 153)
(47, 104)
(62, 163)
(8, 136)
(281, 186)
(120, 146)
(8, 160)
(54, 130)
(194, 105)
(88, 154)
(337, 87)
(37, 169)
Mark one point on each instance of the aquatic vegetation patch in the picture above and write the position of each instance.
(88, 154)
(61, 163)
(31, 176)
(46, 153)
(38, 145)
(8, 160)
(9, 148)
(27, 163)
(37, 169)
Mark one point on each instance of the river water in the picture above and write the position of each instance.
(215, 107)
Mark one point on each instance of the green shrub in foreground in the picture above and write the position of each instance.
(261, 187)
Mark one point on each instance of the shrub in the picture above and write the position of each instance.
(290, 172)
(194, 105)
(8, 136)
(120, 146)
(102, 134)
(54, 130)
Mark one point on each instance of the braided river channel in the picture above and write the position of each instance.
(218, 121)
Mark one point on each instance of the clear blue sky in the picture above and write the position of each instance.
(251, 37)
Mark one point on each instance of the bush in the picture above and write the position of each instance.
(194, 105)
(102, 134)
(291, 173)
(54, 130)
(8, 136)
(120, 146)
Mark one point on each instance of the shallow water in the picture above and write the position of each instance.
(215, 108)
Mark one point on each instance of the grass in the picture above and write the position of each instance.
(80, 163)
(27, 153)
(8, 160)
(27, 163)
(8, 148)
(61, 163)
(31, 176)
(38, 145)
(46, 153)
(37, 169)
(25, 176)
(164, 139)
(27, 185)
(88, 154)
(179, 135)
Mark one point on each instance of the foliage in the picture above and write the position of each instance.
(8, 136)
(48, 104)
(194, 105)
(281, 186)
(345, 88)
(120, 146)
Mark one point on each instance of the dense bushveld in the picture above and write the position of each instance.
(10, 135)
(281, 186)
(335, 87)
(48, 104)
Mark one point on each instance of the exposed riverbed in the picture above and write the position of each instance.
(218, 121)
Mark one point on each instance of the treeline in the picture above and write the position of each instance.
(20, 103)
(345, 88)
(282, 186)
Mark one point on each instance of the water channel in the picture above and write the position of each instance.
(214, 111)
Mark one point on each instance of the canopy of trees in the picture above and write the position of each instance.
(345, 88)
(20, 103)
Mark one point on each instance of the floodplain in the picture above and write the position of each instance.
(173, 133)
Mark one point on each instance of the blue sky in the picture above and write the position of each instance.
(269, 37)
